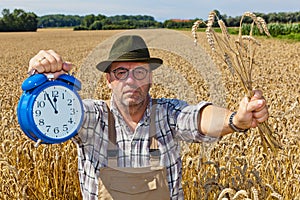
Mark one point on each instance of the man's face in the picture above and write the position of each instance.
(130, 82)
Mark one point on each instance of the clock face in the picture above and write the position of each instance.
(57, 112)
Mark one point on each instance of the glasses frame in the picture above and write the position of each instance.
(128, 71)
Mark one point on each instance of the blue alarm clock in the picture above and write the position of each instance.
(50, 111)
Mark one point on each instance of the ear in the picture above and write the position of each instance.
(108, 80)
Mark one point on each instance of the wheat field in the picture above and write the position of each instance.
(236, 167)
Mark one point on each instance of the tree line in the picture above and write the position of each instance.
(102, 22)
(19, 20)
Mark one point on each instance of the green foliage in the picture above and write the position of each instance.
(292, 36)
(118, 18)
(281, 17)
(101, 22)
(233, 30)
(18, 20)
(59, 21)
(283, 29)
(80, 28)
(289, 30)
(96, 25)
(178, 24)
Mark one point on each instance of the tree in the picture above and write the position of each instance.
(59, 20)
(96, 25)
(18, 20)
(88, 20)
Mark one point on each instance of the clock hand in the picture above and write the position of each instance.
(54, 107)
(55, 100)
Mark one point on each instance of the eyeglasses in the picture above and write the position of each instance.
(122, 73)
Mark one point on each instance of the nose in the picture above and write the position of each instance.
(130, 78)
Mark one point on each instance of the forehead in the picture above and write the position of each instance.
(129, 65)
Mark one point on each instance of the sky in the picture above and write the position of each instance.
(160, 9)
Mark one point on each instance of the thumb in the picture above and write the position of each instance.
(244, 104)
(67, 66)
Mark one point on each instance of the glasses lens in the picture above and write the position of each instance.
(121, 73)
(140, 73)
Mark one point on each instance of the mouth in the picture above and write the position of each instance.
(131, 91)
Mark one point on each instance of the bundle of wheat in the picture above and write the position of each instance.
(239, 55)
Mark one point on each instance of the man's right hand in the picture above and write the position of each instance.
(48, 62)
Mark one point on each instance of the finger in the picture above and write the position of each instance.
(35, 65)
(30, 66)
(45, 63)
(256, 105)
(261, 117)
(261, 114)
(39, 62)
(55, 60)
(257, 95)
(38, 66)
(52, 62)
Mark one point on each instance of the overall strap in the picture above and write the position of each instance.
(152, 128)
(111, 126)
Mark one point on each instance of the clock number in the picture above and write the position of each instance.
(73, 111)
(38, 113)
(41, 104)
(70, 102)
(65, 127)
(55, 93)
(41, 122)
(48, 128)
(56, 130)
(71, 120)
(46, 96)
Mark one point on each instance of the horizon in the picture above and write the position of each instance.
(178, 18)
(161, 11)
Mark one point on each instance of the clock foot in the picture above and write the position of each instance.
(38, 142)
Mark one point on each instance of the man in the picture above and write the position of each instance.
(129, 76)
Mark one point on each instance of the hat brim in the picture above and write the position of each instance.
(154, 63)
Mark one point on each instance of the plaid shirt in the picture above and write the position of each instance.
(174, 120)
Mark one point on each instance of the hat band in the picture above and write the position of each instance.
(131, 55)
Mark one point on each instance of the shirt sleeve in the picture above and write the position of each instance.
(187, 124)
(91, 142)
(93, 124)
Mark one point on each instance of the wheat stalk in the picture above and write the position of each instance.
(225, 191)
(239, 55)
(240, 193)
(255, 193)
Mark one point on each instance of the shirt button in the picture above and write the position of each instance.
(146, 121)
